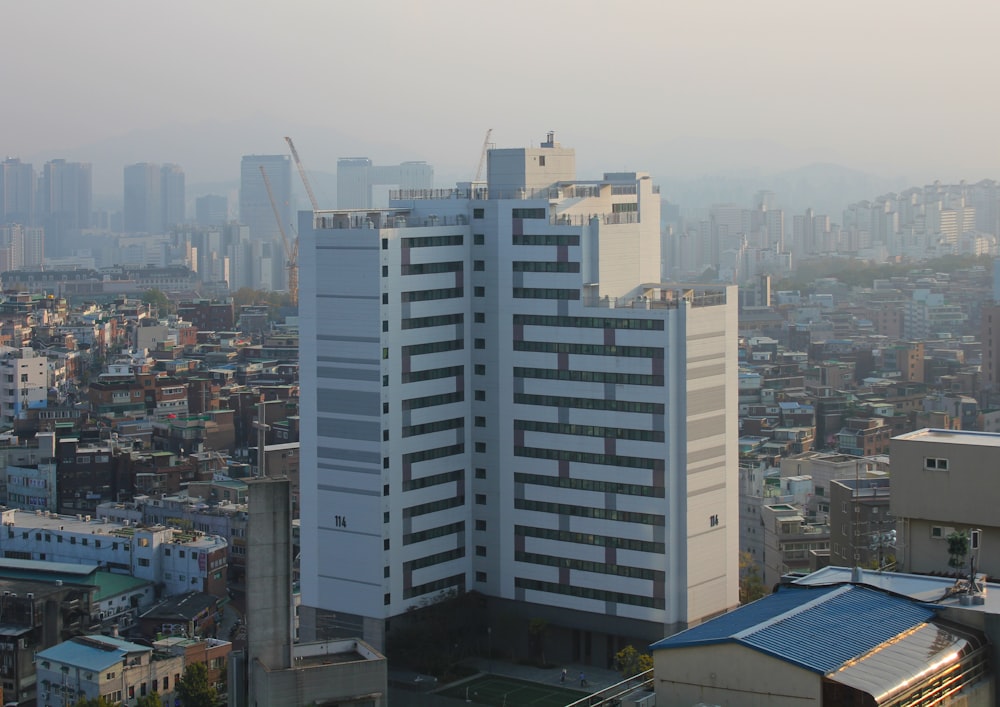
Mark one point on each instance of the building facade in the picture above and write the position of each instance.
(507, 400)
(943, 483)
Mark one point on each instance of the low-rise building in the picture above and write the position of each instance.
(89, 667)
(179, 560)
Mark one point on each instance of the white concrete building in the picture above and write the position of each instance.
(508, 400)
(182, 561)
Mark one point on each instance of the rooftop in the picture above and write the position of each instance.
(94, 653)
(979, 439)
(841, 622)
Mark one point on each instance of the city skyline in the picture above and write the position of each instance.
(770, 86)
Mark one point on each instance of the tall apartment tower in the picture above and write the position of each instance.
(507, 400)
(64, 202)
(357, 175)
(17, 192)
(143, 211)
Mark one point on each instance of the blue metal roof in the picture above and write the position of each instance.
(818, 630)
(85, 652)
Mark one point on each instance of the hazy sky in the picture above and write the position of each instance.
(884, 85)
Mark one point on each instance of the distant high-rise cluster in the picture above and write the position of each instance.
(357, 175)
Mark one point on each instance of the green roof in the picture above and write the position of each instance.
(110, 584)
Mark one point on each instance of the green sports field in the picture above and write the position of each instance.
(491, 690)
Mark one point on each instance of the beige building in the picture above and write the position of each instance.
(945, 481)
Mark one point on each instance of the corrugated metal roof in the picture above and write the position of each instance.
(86, 652)
(897, 665)
(724, 627)
(818, 630)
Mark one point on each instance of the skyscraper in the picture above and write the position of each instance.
(211, 210)
(255, 208)
(17, 192)
(256, 212)
(64, 201)
(172, 197)
(143, 199)
(507, 400)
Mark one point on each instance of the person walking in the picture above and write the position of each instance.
(562, 678)
(583, 679)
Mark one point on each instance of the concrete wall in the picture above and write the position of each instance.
(730, 675)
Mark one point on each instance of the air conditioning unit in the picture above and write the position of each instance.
(30, 595)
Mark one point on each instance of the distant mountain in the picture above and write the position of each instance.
(826, 188)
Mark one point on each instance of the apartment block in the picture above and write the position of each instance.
(508, 400)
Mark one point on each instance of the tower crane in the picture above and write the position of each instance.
(482, 155)
(302, 174)
(291, 248)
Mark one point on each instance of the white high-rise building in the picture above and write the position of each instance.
(504, 398)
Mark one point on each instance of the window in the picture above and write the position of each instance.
(480, 369)
(479, 317)
(478, 213)
(937, 531)
(479, 265)
(385, 544)
(385, 271)
(480, 550)
(387, 598)
(385, 408)
(480, 421)
(480, 447)
(480, 472)
(385, 298)
(479, 291)
(480, 576)
(385, 435)
(385, 571)
(480, 499)
(385, 325)
(541, 160)
(936, 463)
(143, 562)
(478, 239)
(528, 213)
(385, 462)
(385, 246)
(480, 343)
(480, 525)
(385, 489)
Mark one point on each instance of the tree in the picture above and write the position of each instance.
(158, 299)
(96, 702)
(537, 629)
(751, 584)
(958, 548)
(150, 700)
(630, 662)
(194, 690)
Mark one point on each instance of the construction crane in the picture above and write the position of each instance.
(302, 173)
(291, 248)
(482, 155)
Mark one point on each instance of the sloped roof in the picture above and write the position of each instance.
(95, 653)
(818, 630)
